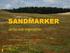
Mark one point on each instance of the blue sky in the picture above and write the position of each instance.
(6, 4)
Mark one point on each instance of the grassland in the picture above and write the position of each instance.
(52, 38)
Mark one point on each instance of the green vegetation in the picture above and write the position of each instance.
(41, 10)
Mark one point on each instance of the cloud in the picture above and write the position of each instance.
(8, 6)
(23, 3)
(51, 1)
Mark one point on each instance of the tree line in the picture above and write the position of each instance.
(41, 10)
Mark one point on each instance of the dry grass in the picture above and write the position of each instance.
(52, 39)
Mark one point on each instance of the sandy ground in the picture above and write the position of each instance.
(67, 13)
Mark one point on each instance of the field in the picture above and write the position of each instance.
(52, 38)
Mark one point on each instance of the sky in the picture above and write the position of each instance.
(9, 4)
